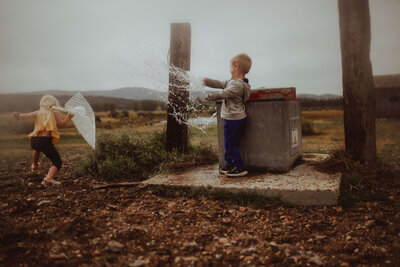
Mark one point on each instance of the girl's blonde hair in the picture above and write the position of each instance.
(244, 62)
(48, 102)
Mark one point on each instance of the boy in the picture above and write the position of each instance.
(236, 92)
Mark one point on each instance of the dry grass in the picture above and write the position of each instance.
(109, 120)
(361, 182)
(208, 137)
(322, 114)
(328, 124)
(134, 119)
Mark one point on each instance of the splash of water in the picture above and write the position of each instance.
(189, 89)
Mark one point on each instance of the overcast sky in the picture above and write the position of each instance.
(104, 44)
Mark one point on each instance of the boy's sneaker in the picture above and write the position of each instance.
(237, 172)
(225, 169)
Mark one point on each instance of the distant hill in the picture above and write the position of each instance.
(30, 102)
(137, 93)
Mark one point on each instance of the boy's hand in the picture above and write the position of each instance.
(204, 81)
(16, 115)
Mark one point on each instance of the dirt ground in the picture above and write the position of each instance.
(76, 225)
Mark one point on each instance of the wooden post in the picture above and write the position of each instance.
(178, 96)
(358, 94)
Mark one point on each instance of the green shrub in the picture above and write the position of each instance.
(125, 155)
(131, 156)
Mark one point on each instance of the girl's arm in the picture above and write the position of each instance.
(61, 122)
(24, 116)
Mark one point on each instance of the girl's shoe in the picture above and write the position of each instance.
(50, 182)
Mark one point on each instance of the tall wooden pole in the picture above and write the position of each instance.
(178, 96)
(358, 94)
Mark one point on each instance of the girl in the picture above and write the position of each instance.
(45, 134)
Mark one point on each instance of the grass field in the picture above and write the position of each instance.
(330, 134)
(327, 124)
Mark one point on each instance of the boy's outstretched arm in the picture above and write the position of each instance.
(25, 116)
(214, 83)
(235, 89)
(61, 122)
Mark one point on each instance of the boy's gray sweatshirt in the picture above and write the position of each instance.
(236, 92)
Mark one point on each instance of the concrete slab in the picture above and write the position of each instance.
(303, 185)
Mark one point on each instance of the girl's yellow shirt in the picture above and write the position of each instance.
(45, 120)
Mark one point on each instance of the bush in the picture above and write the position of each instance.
(125, 113)
(307, 128)
(137, 156)
(114, 114)
(124, 155)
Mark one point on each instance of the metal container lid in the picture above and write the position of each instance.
(288, 93)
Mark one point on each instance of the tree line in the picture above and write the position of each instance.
(27, 103)
(311, 103)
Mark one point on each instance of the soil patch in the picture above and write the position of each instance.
(74, 224)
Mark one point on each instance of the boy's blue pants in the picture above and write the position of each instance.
(233, 132)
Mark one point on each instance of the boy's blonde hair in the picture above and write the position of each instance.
(244, 62)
